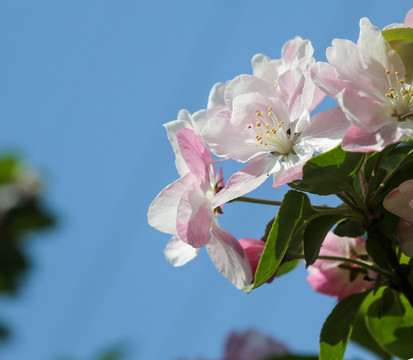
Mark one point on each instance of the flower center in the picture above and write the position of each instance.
(272, 135)
(400, 96)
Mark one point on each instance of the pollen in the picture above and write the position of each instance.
(249, 126)
(258, 123)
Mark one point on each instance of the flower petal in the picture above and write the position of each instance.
(163, 210)
(408, 21)
(179, 253)
(326, 129)
(404, 234)
(229, 258)
(194, 152)
(246, 180)
(194, 217)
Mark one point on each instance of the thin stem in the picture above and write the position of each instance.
(364, 264)
(347, 200)
(272, 202)
(360, 203)
(373, 175)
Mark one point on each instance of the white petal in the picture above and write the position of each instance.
(229, 258)
(246, 180)
(179, 253)
(162, 212)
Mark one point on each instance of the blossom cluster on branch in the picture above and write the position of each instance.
(361, 151)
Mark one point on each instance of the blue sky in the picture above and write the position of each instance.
(85, 87)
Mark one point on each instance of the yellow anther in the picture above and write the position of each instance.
(249, 126)
(258, 113)
(258, 137)
(273, 131)
(389, 95)
(275, 83)
(401, 82)
(266, 125)
(391, 89)
(267, 132)
(269, 114)
(387, 71)
(260, 142)
(396, 73)
(270, 108)
(258, 123)
(405, 75)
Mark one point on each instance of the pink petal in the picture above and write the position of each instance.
(194, 152)
(245, 84)
(399, 199)
(179, 253)
(163, 210)
(246, 180)
(361, 140)
(405, 236)
(355, 107)
(254, 248)
(290, 174)
(194, 217)
(229, 258)
(327, 79)
(408, 21)
(326, 129)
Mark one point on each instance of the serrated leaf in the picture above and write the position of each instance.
(315, 233)
(289, 217)
(330, 172)
(393, 330)
(337, 329)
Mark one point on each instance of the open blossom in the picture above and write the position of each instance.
(369, 81)
(296, 54)
(400, 202)
(340, 279)
(276, 135)
(183, 209)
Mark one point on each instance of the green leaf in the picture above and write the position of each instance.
(394, 329)
(401, 40)
(315, 233)
(286, 267)
(330, 172)
(349, 228)
(337, 329)
(361, 334)
(295, 208)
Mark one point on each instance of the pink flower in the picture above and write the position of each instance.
(183, 209)
(252, 345)
(335, 278)
(274, 134)
(400, 202)
(369, 81)
(254, 248)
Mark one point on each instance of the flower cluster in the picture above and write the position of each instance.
(361, 151)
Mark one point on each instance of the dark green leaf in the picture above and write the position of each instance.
(386, 302)
(330, 172)
(376, 253)
(294, 209)
(286, 267)
(8, 166)
(337, 329)
(361, 334)
(393, 330)
(268, 228)
(315, 233)
(349, 228)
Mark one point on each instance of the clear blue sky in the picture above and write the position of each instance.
(85, 87)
